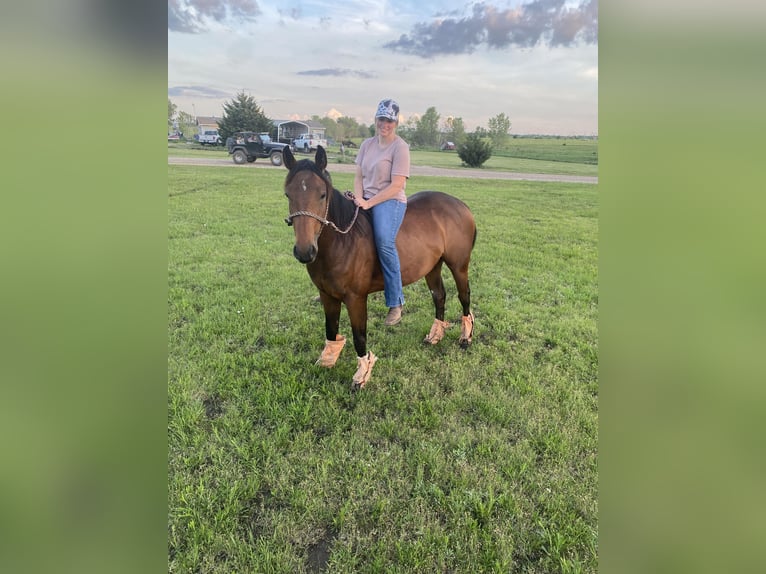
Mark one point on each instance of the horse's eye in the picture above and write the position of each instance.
(323, 196)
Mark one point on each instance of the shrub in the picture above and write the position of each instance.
(474, 151)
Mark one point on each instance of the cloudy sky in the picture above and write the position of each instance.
(534, 60)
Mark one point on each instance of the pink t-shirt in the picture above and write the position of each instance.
(379, 165)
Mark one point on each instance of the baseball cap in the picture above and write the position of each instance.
(388, 109)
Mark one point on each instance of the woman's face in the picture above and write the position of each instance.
(385, 126)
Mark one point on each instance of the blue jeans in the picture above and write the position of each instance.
(386, 219)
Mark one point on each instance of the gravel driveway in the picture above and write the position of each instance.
(414, 170)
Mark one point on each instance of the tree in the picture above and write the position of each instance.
(454, 130)
(475, 150)
(243, 114)
(499, 126)
(171, 112)
(185, 122)
(348, 128)
(407, 129)
(427, 130)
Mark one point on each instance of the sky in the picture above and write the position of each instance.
(536, 61)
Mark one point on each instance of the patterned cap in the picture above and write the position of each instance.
(388, 109)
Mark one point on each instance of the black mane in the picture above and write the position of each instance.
(342, 211)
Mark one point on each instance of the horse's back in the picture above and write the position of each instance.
(430, 210)
(436, 200)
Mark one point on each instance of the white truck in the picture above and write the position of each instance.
(209, 137)
(308, 143)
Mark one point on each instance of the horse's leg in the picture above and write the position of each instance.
(357, 315)
(463, 288)
(331, 315)
(460, 274)
(436, 286)
(333, 341)
(439, 295)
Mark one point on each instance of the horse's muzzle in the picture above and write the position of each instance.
(305, 255)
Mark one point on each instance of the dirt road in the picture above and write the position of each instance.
(414, 170)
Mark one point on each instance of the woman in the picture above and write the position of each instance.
(382, 169)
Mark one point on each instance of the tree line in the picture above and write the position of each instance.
(242, 113)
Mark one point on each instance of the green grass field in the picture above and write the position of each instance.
(571, 150)
(561, 156)
(482, 460)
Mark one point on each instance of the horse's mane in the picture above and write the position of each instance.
(342, 210)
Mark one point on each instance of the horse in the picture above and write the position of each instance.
(334, 239)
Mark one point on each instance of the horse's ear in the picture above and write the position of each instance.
(288, 158)
(321, 158)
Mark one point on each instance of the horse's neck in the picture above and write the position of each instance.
(342, 210)
(354, 229)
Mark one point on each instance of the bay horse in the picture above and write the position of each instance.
(334, 239)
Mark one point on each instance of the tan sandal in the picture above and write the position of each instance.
(394, 316)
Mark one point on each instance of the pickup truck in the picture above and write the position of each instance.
(248, 146)
(308, 143)
(209, 137)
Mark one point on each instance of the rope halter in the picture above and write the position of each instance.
(323, 220)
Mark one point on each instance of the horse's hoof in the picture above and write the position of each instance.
(466, 331)
(331, 352)
(437, 332)
(363, 371)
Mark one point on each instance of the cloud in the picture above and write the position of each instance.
(295, 13)
(540, 21)
(193, 16)
(338, 72)
(196, 91)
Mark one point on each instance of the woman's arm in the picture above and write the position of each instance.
(358, 190)
(396, 186)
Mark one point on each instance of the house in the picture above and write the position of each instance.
(205, 123)
(288, 130)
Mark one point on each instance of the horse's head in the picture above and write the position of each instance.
(308, 190)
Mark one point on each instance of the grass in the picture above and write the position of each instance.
(482, 460)
(450, 159)
(560, 156)
(572, 150)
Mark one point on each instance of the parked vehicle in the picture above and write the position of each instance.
(248, 146)
(308, 143)
(209, 137)
(447, 146)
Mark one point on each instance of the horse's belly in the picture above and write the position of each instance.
(417, 257)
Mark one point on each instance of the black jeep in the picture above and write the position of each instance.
(248, 146)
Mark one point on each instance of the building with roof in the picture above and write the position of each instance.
(284, 130)
(288, 130)
(207, 123)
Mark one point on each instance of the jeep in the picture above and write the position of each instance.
(248, 146)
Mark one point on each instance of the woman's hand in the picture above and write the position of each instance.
(362, 203)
